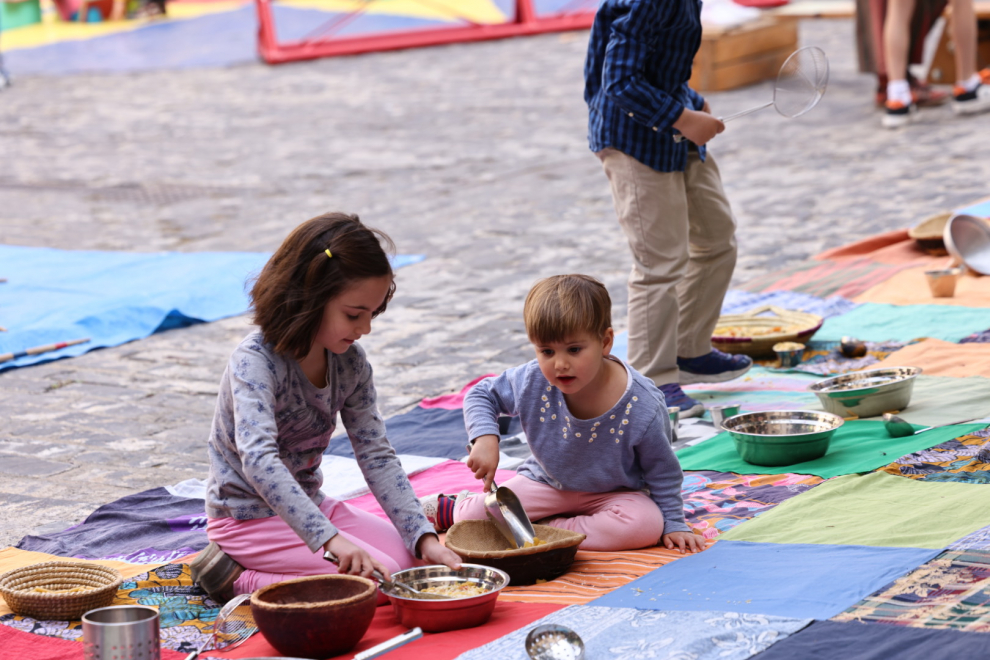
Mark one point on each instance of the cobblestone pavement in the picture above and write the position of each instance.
(474, 155)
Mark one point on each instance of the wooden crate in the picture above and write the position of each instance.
(742, 55)
(943, 69)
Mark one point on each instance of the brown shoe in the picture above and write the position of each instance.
(215, 572)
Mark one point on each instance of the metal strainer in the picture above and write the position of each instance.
(800, 85)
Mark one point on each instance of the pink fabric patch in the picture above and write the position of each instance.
(452, 401)
(448, 477)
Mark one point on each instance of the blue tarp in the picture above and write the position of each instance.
(54, 295)
(795, 580)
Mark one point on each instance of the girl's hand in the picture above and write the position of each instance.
(353, 560)
(483, 460)
(684, 541)
(433, 552)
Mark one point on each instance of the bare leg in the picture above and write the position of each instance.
(964, 38)
(897, 36)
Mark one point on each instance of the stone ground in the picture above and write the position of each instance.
(474, 155)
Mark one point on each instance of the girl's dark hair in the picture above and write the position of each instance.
(295, 285)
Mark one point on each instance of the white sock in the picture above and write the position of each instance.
(899, 90)
(970, 84)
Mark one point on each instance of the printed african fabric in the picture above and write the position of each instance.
(717, 501)
(965, 459)
(950, 591)
(619, 632)
(186, 612)
(823, 358)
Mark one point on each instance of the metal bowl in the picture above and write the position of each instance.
(967, 238)
(867, 393)
(782, 437)
(452, 614)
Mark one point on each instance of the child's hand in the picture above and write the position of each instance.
(698, 126)
(684, 541)
(433, 552)
(352, 559)
(483, 460)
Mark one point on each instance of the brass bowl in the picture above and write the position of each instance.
(782, 437)
(867, 393)
(454, 613)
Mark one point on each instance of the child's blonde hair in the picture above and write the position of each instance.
(561, 306)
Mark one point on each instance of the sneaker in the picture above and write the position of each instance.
(971, 103)
(714, 367)
(439, 509)
(215, 572)
(674, 396)
(896, 114)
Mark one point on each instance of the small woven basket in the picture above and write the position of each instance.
(70, 589)
(929, 234)
(480, 542)
(757, 330)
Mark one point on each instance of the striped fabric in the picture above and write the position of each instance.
(594, 574)
(639, 61)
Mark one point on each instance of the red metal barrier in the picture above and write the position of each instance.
(322, 44)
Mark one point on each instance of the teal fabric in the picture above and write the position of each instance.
(858, 446)
(881, 322)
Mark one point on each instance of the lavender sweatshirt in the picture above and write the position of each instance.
(270, 429)
(626, 448)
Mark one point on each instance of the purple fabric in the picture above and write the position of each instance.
(153, 526)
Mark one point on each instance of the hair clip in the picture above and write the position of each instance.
(329, 253)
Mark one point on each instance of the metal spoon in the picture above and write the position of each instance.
(898, 427)
(392, 586)
(507, 512)
(553, 642)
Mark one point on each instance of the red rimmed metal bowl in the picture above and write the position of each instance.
(454, 613)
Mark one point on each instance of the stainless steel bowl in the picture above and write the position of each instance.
(867, 393)
(782, 437)
(967, 238)
(453, 614)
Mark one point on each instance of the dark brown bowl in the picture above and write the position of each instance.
(479, 542)
(315, 617)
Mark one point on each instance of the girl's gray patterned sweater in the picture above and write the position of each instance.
(270, 429)
(626, 448)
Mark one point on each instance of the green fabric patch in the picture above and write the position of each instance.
(881, 322)
(877, 509)
(858, 446)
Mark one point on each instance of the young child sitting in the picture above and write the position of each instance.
(602, 464)
(279, 398)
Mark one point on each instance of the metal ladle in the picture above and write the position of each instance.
(507, 512)
(898, 427)
(554, 642)
(391, 586)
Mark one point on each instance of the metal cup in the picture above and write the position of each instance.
(722, 413)
(942, 283)
(123, 632)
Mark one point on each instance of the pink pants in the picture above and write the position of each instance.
(270, 551)
(622, 520)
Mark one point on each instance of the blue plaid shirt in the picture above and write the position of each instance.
(639, 62)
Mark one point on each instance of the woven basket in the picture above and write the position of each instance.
(928, 234)
(756, 336)
(480, 542)
(99, 586)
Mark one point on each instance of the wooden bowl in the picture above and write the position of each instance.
(320, 616)
(479, 542)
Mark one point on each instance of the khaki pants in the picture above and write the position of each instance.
(682, 236)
